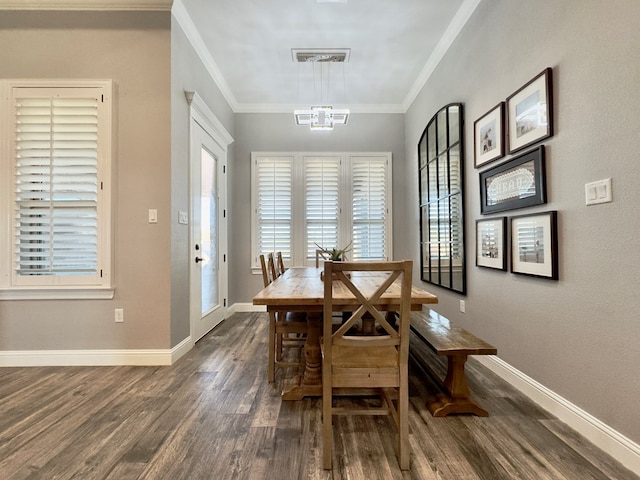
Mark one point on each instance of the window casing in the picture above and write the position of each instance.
(329, 199)
(56, 166)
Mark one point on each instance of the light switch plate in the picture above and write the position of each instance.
(598, 192)
(153, 215)
(182, 218)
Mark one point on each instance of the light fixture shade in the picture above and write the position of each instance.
(321, 117)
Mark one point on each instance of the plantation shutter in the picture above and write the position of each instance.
(369, 208)
(321, 187)
(56, 184)
(274, 190)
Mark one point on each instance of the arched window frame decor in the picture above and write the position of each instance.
(441, 192)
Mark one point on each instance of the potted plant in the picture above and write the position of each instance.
(334, 254)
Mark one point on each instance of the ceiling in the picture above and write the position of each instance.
(394, 45)
(246, 45)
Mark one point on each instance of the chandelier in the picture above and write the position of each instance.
(321, 116)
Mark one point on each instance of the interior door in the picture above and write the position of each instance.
(208, 270)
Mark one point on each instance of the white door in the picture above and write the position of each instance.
(208, 272)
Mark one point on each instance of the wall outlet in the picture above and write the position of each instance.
(463, 306)
(119, 315)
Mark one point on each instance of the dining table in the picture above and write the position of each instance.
(301, 289)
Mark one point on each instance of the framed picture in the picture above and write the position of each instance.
(488, 136)
(534, 245)
(517, 183)
(491, 243)
(530, 112)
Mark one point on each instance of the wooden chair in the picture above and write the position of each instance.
(281, 326)
(374, 361)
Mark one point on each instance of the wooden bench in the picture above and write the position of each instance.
(456, 344)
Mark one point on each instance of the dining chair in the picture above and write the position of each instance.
(370, 361)
(286, 329)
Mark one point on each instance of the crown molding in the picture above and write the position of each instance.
(188, 27)
(88, 5)
(455, 27)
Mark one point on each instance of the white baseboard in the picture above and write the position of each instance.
(181, 349)
(94, 358)
(604, 437)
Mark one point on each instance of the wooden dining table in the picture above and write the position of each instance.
(301, 289)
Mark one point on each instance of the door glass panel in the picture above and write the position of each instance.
(209, 231)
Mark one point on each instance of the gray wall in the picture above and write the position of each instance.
(132, 49)
(187, 73)
(277, 132)
(578, 336)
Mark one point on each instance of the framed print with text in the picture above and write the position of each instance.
(534, 244)
(517, 183)
(530, 112)
(491, 243)
(488, 136)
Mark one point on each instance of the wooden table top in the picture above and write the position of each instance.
(302, 289)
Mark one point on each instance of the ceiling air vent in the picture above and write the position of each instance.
(320, 54)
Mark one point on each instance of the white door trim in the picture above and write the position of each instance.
(201, 116)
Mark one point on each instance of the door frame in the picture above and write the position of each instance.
(201, 116)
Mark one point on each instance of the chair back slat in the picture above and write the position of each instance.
(266, 278)
(279, 264)
(370, 308)
(321, 255)
(271, 264)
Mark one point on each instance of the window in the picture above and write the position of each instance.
(301, 200)
(56, 156)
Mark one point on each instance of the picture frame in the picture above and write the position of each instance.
(534, 244)
(530, 112)
(488, 136)
(517, 183)
(491, 243)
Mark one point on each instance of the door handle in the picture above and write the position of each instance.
(198, 259)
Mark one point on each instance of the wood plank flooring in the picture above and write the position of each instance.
(213, 416)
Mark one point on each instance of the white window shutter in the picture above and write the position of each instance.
(305, 200)
(322, 205)
(56, 186)
(370, 207)
(274, 192)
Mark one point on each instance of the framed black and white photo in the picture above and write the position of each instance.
(517, 183)
(534, 245)
(488, 136)
(530, 112)
(491, 243)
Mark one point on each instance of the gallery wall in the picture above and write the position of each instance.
(577, 336)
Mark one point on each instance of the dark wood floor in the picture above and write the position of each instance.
(214, 416)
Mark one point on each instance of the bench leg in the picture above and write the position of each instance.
(457, 399)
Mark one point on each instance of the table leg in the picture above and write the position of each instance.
(310, 382)
(457, 399)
